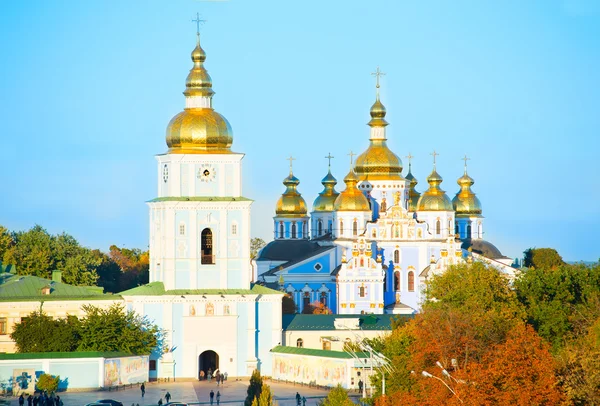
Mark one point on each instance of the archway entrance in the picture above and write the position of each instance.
(208, 360)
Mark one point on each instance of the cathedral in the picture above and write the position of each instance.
(371, 247)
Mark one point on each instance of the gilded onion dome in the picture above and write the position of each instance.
(413, 195)
(378, 162)
(465, 202)
(199, 129)
(351, 199)
(291, 203)
(434, 198)
(326, 199)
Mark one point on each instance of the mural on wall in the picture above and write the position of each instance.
(22, 380)
(126, 370)
(315, 370)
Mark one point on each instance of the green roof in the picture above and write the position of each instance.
(280, 349)
(158, 289)
(28, 287)
(326, 321)
(200, 199)
(77, 354)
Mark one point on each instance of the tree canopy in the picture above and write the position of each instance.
(111, 329)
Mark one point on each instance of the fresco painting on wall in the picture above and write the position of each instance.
(126, 370)
(315, 370)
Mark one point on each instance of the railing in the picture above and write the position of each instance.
(207, 259)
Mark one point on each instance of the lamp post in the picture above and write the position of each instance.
(428, 375)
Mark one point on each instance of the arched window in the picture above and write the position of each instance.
(281, 230)
(355, 227)
(323, 298)
(305, 300)
(341, 227)
(294, 233)
(396, 256)
(438, 226)
(397, 281)
(320, 227)
(411, 281)
(361, 291)
(469, 230)
(206, 246)
(383, 205)
(300, 343)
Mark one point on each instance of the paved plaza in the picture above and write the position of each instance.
(232, 393)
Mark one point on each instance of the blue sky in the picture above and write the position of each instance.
(87, 89)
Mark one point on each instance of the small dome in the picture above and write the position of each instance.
(465, 202)
(326, 199)
(482, 247)
(291, 203)
(351, 199)
(434, 198)
(413, 195)
(378, 112)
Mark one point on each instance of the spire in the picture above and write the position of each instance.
(413, 195)
(198, 82)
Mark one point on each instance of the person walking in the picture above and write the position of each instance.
(202, 375)
(297, 398)
(21, 400)
(168, 397)
(218, 378)
(360, 386)
(36, 400)
(160, 402)
(218, 398)
(222, 378)
(29, 400)
(212, 396)
(303, 400)
(143, 389)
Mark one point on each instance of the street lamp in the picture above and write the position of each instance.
(428, 375)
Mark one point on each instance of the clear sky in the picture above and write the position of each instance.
(87, 89)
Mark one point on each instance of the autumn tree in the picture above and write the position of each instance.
(337, 396)
(316, 307)
(265, 398)
(255, 245)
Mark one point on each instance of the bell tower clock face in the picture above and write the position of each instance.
(165, 173)
(206, 173)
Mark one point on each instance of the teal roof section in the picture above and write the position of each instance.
(280, 349)
(200, 199)
(76, 354)
(382, 322)
(158, 289)
(27, 287)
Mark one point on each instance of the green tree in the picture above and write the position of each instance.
(48, 383)
(114, 329)
(31, 252)
(254, 388)
(338, 396)
(265, 398)
(6, 242)
(288, 306)
(546, 258)
(255, 245)
(40, 333)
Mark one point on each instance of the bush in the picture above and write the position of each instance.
(48, 383)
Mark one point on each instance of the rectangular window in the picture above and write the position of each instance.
(3, 325)
(234, 229)
(182, 229)
(152, 365)
(327, 345)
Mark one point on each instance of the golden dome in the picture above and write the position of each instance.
(378, 162)
(199, 129)
(326, 199)
(413, 195)
(465, 202)
(434, 198)
(291, 203)
(351, 199)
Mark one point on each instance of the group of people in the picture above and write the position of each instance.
(212, 397)
(209, 375)
(41, 400)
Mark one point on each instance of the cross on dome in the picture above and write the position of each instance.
(198, 21)
(466, 159)
(434, 155)
(351, 155)
(329, 157)
(410, 157)
(291, 159)
(377, 75)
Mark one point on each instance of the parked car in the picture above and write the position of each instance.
(109, 402)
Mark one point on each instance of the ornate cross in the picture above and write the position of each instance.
(410, 157)
(198, 21)
(328, 157)
(466, 159)
(377, 74)
(291, 159)
(434, 155)
(352, 155)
